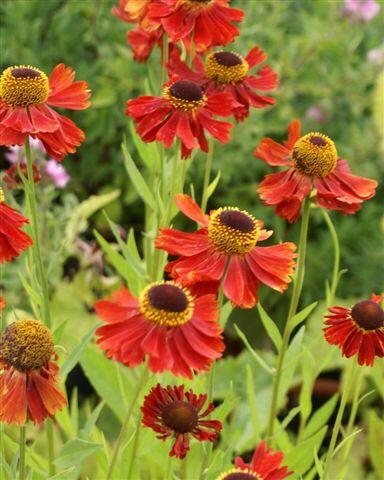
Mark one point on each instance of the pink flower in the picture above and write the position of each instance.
(57, 172)
(316, 113)
(15, 152)
(363, 10)
(376, 56)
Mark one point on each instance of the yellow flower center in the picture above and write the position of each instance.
(185, 95)
(315, 155)
(23, 86)
(1, 195)
(226, 67)
(26, 345)
(195, 4)
(166, 304)
(240, 474)
(233, 231)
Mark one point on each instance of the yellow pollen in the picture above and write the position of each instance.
(183, 103)
(26, 345)
(1, 195)
(23, 86)
(240, 474)
(233, 231)
(315, 155)
(195, 4)
(166, 304)
(226, 67)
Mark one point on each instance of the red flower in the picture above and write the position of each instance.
(143, 42)
(205, 22)
(225, 249)
(133, 11)
(312, 162)
(12, 178)
(358, 330)
(184, 112)
(265, 466)
(29, 383)
(228, 72)
(178, 331)
(171, 412)
(27, 95)
(13, 240)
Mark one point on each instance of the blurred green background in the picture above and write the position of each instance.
(326, 80)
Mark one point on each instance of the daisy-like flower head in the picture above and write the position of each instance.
(13, 241)
(172, 412)
(177, 330)
(29, 383)
(265, 465)
(26, 97)
(228, 72)
(358, 330)
(226, 250)
(206, 23)
(312, 162)
(184, 111)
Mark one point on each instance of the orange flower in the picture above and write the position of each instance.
(26, 97)
(29, 383)
(226, 250)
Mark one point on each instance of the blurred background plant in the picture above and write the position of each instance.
(330, 64)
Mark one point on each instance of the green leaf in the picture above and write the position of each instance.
(148, 151)
(66, 474)
(254, 354)
(75, 356)
(85, 432)
(346, 440)
(301, 457)
(225, 313)
(270, 327)
(376, 442)
(301, 316)
(138, 180)
(75, 452)
(321, 416)
(77, 221)
(291, 359)
(58, 332)
(116, 260)
(252, 402)
(212, 186)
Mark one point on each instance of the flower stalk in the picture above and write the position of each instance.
(22, 452)
(298, 285)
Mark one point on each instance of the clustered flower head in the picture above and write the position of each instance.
(358, 330)
(29, 382)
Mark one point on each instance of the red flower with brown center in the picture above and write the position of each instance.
(13, 240)
(206, 23)
(358, 330)
(26, 97)
(184, 111)
(29, 383)
(12, 178)
(228, 72)
(265, 465)
(177, 330)
(225, 249)
(313, 163)
(171, 412)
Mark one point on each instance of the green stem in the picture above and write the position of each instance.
(336, 249)
(336, 428)
(126, 420)
(298, 285)
(38, 258)
(134, 448)
(168, 472)
(23, 430)
(31, 192)
(352, 416)
(207, 174)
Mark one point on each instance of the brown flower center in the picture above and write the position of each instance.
(226, 67)
(166, 303)
(23, 86)
(240, 474)
(185, 95)
(180, 416)
(368, 315)
(315, 155)
(26, 345)
(233, 231)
